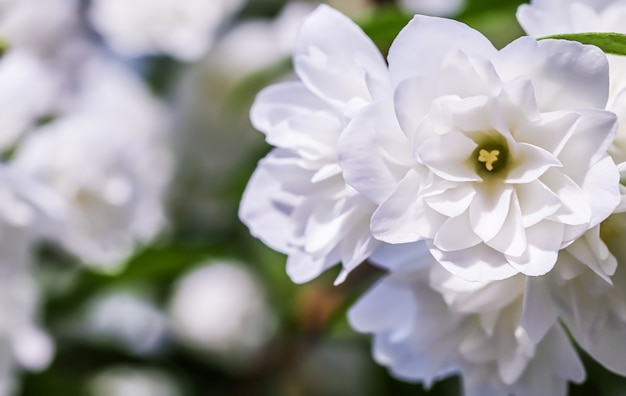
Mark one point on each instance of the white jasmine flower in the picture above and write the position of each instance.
(106, 159)
(428, 324)
(22, 105)
(183, 29)
(254, 44)
(222, 309)
(297, 201)
(545, 18)
(510, 149)
(22, 223)
(38, 26)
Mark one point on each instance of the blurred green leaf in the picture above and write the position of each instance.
(383, 24)
(610, 43)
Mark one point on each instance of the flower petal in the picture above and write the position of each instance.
(544, 243)
(489, 210)
(447, 156)
(456, 234)
(374, 153)
(420, 48)
(336, 60)
(402, 218)
(536, 202)
(530, 163)
(511, 238)
(477, 264)
(565, 74)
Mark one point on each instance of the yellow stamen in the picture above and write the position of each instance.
(488, 157)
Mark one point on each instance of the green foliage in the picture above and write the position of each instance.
(610, 43)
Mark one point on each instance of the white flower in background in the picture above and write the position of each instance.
(428, 324)
(107, 160)
(184, 29)
(510, 149)
(543, 18)
(434, 7)
(136, 381)
(38, 26)
(23, 221)
(254, 44)
(221, 308)
(127, 319)
(297, 201)
(22, 105)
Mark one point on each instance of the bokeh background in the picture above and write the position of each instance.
(203, 308)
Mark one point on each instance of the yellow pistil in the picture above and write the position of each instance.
(488, 157)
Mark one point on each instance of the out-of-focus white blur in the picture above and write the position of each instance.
(132, 381)
(126, 319)
(222, 309)
(183, 29)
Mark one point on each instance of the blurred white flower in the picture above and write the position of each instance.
(297, 201)
(127, 319)
(222, 309)
(510, 149)
(38, 26)
(135, 381)
(254, 44)
(429, 324)
(434, 7)
(28, 90)
(184, 29)
(545, 18)
(22, 223)
(107, 160)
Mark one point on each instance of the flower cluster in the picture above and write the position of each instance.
(485, 181)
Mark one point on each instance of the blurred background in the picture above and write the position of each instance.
(126, 144)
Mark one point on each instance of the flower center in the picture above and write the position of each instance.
(488, 157)
(491, 156)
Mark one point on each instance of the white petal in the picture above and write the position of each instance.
(539, 313)
(335, 59)
(468, 76)
(278, 103)
(384, 307)
(453, 201)
(574, 205)
(456, 234)
(477, 264)
(413, 98)
(447, 156)
(414, 256)
(530, 163)
(374, 153)
(589, 143)
(303, 267)
(544, 242)
(403, 217)
(536, 202)
(266, 209)
(565, 74)
(420, 48)
(511, 239)
(489, 210)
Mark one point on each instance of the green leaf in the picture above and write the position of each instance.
(610, 43)
(383, 24)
